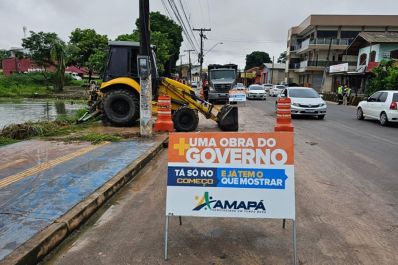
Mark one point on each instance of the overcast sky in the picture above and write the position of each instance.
(242, 25)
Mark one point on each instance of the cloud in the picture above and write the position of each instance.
(243, 25)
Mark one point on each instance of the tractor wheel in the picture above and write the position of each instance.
(121, 107)
(185, 119)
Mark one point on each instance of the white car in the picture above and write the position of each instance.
(267, 87)
(276, 90)
(305, 102)
(75, 76)
(256, 92)
(381, 106)
(194, 86)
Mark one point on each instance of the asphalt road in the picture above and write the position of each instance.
(346, 200)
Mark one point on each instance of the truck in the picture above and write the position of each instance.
(117, 98)
(222, 78)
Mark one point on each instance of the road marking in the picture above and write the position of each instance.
(12, 163)
(46, 165)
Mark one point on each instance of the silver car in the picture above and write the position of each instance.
(256, 92)
(305, 102)
(276, 90)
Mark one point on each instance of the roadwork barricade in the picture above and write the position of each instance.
(164, 120)
(283, 116)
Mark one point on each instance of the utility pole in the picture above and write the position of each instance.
(190, 65)
(181, 55)
(202, 36)
(272, 70)
(144, 64)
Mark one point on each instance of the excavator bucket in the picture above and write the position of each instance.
(227, 118)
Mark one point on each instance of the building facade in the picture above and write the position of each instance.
(322, 40)
(370, 48)
(273, 73)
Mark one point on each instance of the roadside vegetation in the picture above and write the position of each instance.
(63, 129)
(385, 77)
(31, 85)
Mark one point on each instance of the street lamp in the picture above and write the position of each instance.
(209, 50)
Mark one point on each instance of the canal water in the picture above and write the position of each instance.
(35, 110)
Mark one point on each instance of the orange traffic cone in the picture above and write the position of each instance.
(284, 116)
(164, 121)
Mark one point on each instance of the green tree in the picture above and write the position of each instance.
(129, 37)
(97, 61)
(282, 57)
(162, 43)
(162, 24)
(58, 57)
(166, 35)
(46, 50)
(85, 42)
(257, 58)
(385, 77)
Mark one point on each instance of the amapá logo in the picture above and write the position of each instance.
(207, 202)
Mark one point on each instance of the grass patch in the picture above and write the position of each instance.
(6, 140)
(94, 138)
(62, 126)
(33, 85)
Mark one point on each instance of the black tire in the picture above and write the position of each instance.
(321, 117)
(121, 107)
(185, 119)
(360, 114)
(383, 119)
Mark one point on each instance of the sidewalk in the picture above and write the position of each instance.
(47, 189)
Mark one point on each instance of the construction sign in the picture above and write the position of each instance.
(249, 175)
(236, 95)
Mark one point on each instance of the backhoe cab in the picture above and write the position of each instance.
(118, 96)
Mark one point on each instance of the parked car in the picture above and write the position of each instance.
(267, 87)
(381, 106)
(194, 86)
(256, 92)
(276, 90)
(75, 76)
(240, 86)
(305, 102)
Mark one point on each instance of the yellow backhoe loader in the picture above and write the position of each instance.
(117, 99)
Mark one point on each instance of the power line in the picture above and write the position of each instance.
(249, 41)
(180, 21)
(208, 12)
(186, 17)
(167, 10)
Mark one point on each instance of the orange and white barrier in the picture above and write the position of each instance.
(164, 121)
(284, 116)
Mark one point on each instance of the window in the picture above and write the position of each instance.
(383, 97)
(362, 59)
(372, 56)
(303, 93)
(395, 97)
(386, 55)
(394, 54)
(349, 34)
(374, 97)
(326, 34)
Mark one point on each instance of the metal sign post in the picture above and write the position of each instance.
(249, 175)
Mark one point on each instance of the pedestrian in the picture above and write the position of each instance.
(339, 94)
(206, 89)
(347, 94)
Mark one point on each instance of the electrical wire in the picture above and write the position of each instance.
(181, 22)
(189, 24)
